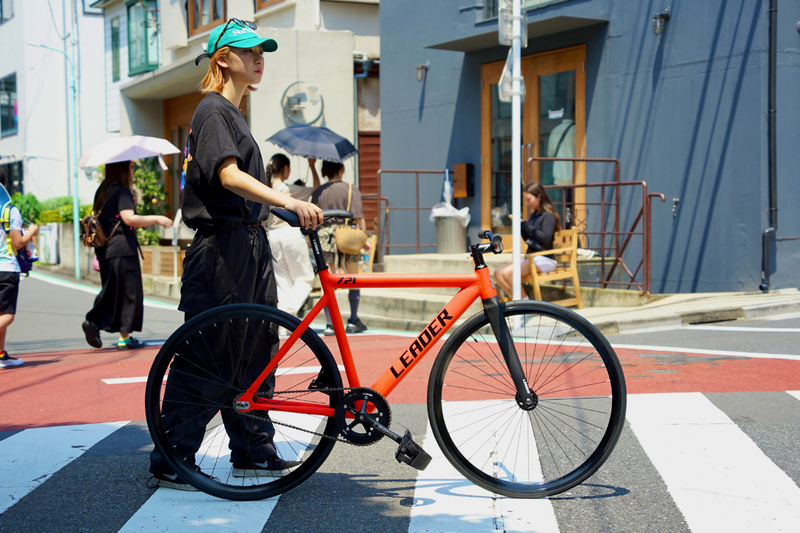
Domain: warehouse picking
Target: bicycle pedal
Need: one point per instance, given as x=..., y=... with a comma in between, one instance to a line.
x=411, y=453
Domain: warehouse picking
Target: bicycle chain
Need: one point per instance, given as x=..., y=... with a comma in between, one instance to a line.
x=338, y=439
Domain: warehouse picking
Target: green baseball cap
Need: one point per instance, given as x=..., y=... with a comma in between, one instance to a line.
x=236, y=33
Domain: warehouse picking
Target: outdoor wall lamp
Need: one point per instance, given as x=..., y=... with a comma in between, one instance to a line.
x=660, y=20
x=422, y=70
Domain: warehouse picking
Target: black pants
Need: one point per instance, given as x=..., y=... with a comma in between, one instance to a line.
x=222, y=269
x=120, y=304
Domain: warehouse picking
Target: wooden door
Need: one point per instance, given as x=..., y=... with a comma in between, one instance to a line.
x=553, y=120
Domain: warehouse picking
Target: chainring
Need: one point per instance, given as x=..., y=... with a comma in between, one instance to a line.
x=351, y=417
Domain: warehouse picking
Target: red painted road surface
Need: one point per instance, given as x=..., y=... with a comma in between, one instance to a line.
x=64, y=388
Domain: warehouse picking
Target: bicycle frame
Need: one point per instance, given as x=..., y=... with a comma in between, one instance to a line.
x=473, y=285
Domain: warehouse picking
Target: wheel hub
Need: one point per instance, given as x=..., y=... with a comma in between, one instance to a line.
x=355, y=412
x=525, y=407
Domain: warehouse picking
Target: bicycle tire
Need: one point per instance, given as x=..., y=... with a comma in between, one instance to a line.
x=490, y=439
x=190, y=393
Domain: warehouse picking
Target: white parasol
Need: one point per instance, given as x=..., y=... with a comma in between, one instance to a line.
x=127, y=149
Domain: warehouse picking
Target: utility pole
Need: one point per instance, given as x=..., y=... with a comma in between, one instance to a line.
x=516, y=148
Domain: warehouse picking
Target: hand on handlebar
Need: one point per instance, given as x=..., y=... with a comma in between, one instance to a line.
x=309, y=214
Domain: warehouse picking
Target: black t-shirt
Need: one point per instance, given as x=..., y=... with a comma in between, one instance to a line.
x=538, y=231
x=123, y=242
x=218, y=131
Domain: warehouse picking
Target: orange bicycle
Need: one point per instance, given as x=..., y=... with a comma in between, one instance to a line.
x=526, y=399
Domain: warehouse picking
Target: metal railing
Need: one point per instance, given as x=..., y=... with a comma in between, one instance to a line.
x=609, y=201
x=385, y=244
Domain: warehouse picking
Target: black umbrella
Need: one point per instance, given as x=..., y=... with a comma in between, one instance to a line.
x=315, y=142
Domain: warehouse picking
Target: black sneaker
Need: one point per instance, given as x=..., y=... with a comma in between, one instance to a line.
x=355, y=326
x=172, y=481
x=6, y=361
x=131, y=343
x=329, y=331
x=274, y=466
x=92, y=334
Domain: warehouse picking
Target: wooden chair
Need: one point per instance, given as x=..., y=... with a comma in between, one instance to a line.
x=565, y=250
x=373, y=239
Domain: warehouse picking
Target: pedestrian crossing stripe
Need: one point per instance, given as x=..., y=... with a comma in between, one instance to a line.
x=31, y=456
x=717, y=476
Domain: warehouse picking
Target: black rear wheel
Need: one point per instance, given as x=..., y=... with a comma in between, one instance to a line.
x=578, y=412
x=194, y=381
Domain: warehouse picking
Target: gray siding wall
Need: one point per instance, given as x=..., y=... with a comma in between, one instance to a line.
x=684, y=111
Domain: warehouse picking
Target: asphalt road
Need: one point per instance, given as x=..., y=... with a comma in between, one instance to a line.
x=710, y=442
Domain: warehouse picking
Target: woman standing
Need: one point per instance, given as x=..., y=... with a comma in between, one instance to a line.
x=293, y=271
x=337, y=194
x=226, y=199
x=119, y=306
x=538, y=232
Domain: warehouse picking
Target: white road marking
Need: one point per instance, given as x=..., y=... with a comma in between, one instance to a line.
x=719, y=478
x=176, y=511
x=31, y=456
x=744, y=329
x=96, y=290
x=281, y=372
x=445, y=501
x=795, y=393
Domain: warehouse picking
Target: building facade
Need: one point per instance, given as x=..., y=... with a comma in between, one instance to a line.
x=325, y=71
x=683, y=107
x=35, y=137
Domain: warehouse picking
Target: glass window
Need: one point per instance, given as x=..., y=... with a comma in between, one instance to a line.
x=6, y=10
x=8, y=105
x=491, y=7
x=143, y=41
x=115, y=49
x=501, y=162
x=205, y=14
x=261, y=4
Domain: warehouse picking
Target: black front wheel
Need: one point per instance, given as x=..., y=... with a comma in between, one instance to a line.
x=527, y=451
x=190, y=403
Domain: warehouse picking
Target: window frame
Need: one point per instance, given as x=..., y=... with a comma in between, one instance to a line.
x=149, y=64
x=11, y=131
x=115, y=51
x=3, y=17
x=263, y=4
x=192, y=14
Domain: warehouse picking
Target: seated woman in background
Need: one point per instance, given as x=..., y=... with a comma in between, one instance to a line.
x=538, y=232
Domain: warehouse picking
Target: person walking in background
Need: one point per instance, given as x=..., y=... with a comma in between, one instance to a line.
x=538, y=232
x=337, y=194
x=226, y=199
x=9, y=275
x=120, y=305
x=294, y=274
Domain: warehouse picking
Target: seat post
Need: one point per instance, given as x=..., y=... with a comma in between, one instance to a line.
x=316, y=249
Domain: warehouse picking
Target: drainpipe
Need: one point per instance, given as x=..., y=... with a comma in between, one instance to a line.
x=366, y=65
x=771, y=147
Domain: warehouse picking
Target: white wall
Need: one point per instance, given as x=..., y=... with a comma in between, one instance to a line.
x=325, y=60
x=42, y=138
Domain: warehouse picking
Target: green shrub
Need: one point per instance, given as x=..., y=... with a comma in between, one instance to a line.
x=50, y=215
x=56, y=202
x=150, y=190
x=147, y=238
x=66, y=212
x=28, y=206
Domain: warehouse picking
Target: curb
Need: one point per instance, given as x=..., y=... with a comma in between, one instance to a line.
x=674, y=320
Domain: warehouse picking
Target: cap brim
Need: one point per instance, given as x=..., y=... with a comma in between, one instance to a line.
x=269, y=45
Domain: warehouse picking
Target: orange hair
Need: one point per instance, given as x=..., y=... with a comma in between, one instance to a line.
x=214, y=78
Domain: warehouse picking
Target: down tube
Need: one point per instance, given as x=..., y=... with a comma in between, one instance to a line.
x=427, y=339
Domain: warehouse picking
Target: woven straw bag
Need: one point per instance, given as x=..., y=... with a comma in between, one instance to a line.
x=350, y=239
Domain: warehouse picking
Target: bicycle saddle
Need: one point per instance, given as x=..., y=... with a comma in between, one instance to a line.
x=291, y=219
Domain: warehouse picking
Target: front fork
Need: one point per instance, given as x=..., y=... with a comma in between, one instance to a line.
x=525, y=397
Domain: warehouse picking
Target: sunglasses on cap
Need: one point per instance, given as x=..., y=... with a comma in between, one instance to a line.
x=239, y=22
